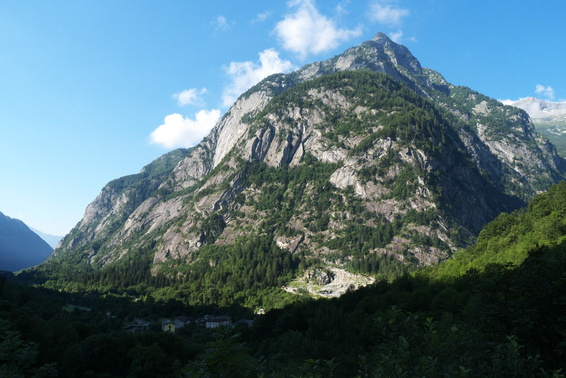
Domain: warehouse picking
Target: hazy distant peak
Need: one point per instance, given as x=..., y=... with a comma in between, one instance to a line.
x=20, y=247
x=52, y=240
x=539, y=109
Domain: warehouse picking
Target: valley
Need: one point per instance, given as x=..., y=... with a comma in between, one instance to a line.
x=361, y=215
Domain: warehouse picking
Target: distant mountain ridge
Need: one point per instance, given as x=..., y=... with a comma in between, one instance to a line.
x=20, y=247
x=541, y=110
x=52, y=240
x=366, y=162
x=548, y=117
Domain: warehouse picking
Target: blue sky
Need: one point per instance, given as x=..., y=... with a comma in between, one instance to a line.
x=94, y=90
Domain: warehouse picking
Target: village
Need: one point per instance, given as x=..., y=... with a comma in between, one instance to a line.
x=174, y=324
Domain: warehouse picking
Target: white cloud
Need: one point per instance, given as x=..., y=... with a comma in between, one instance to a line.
x=306, y=31
x=221, y=23
x=244, y=75
x=342, y=8
x=396, y=37
x=548, y=92
x=261, y=17
x=384, y=12
x=189, y=96
x=178, y=131
x=507, y=102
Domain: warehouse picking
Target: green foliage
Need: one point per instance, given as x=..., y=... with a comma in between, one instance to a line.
x=360, y=238
x=18, y=358
x=285, y=189
x=240, y=273
x=225, y=356
x=38, y=338
x=498, y=323
x=212, y=227
x=510, y=237
x=502, y=120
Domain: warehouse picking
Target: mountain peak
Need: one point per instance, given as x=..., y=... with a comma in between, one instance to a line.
x=541, y=110
x=381, y=37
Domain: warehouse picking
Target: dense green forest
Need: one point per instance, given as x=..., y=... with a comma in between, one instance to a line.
x=497, y=309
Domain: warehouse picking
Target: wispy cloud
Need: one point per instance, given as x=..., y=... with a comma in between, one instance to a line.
x=508, y=101
x=342, y=8
x=547, y=91
x=221, y=23
x=189, y=96
x=385, y=12
x=244, y=75
x=396, y=36
x=179, y=131
x=261, y=17
x=306, y=31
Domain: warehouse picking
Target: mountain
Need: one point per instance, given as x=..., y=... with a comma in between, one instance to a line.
x=20, y=247
x=541, y=110
x=548, y=117
x=52, y=240
x=366, y=163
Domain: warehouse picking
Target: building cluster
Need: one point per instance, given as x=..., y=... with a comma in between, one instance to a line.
x=172, y=325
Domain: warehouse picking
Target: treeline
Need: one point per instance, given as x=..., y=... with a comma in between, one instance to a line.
x=249, y=272
x=501, y=322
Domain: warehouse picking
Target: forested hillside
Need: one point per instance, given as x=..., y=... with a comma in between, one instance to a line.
x=511, y=237
x=497, y=310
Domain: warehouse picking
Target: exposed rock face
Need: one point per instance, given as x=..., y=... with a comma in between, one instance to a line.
x=329, y=283
x=351, y=166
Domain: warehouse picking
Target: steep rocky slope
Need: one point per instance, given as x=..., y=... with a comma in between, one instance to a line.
x=366, y=161
x=548, y=117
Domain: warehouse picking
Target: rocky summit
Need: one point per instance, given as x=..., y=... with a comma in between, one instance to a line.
x=365, y=163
